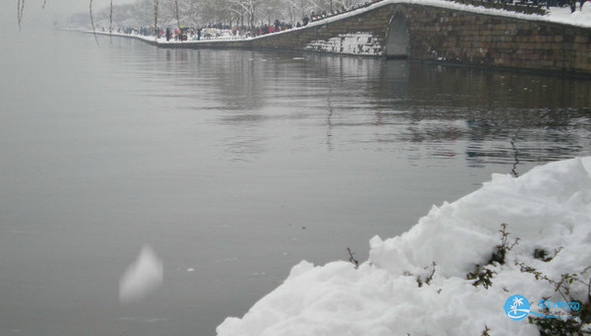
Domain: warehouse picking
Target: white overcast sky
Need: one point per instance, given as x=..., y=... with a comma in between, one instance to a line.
x=55, y=10
x=74, y=6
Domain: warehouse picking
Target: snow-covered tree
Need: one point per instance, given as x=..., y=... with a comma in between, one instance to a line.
x=297, y=9
x=194, y=13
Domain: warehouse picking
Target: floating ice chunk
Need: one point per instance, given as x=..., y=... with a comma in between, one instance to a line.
x=142, y=277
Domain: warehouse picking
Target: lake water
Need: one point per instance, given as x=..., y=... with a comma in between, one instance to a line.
x=234, y=166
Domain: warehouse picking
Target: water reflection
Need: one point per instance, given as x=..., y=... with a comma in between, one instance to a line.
x=501, y=117
x=484, y=116
x=221, y=158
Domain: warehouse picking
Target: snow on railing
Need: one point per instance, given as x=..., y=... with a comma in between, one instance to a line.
x=526, y=7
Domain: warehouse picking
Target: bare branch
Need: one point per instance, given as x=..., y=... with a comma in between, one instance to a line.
x=156, y=20
x=91, y=22
x=20, y=7
x=111, y=21
x=176, y=5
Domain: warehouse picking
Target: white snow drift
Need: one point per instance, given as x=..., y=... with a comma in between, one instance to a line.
x=359, y=43
x=548, y=208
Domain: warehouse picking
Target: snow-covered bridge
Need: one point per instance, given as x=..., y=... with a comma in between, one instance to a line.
x=440, y=31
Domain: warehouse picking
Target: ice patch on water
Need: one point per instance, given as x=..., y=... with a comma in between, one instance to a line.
x=142, y=277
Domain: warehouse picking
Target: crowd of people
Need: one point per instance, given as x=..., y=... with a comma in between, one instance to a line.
x=319, y=16
x=221, y=31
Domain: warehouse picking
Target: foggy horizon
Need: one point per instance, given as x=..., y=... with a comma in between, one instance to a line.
x=55, y=11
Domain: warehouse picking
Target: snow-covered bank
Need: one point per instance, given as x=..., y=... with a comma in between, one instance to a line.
x=581, y=18
x=548, y=208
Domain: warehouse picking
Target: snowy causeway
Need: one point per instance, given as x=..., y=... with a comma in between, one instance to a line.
x=581, y=17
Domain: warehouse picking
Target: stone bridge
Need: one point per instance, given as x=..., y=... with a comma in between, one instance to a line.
x=436, y=31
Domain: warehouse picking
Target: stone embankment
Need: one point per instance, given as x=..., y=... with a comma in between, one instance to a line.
x=458, y=34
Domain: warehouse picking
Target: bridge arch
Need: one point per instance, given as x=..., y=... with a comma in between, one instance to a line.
x=429, y=32
x=397, y=36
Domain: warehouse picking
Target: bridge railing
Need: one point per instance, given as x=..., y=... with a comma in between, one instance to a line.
x=519, y=6
x=526, y=7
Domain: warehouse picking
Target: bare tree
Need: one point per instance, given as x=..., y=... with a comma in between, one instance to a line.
x=92, y=22
x=176, y=12
x=249, y=8
x=156, y=19
x=249, y=13
x=301, y=8
x=111, y=19
x=20, y=8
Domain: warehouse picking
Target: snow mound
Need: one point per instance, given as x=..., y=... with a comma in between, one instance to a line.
x=360, y=43
x=548, y=208
x=142, y=277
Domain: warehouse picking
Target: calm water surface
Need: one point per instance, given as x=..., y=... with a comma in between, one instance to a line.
x=237, y=165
